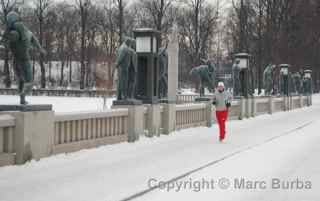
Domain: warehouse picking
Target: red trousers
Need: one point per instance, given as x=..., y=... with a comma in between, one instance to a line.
x=222, y=117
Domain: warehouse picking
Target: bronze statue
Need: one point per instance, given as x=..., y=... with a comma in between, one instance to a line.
x=236, y=78
x=126, y=63
x=163, y=65
x=268, y=79
x=297, y=83
x=20, y=40
x=207, y=76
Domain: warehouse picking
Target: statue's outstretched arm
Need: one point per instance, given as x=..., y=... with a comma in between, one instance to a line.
x=35, y=43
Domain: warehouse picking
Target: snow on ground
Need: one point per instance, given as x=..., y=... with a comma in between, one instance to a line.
x=62, y=104
x=285, y=169
x=118, y=171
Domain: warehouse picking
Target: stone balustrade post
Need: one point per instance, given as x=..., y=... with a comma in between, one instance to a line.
x=34, y=132
x=135, y=117
x=248, y=107
x=153, y=121
x=300, y=100
x=254, y=106
x=271, y=105
x=242, y=108
x=169, y=118
x=135, y=122
x=209, y=113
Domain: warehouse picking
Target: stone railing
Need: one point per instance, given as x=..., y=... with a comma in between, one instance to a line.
x=279, y=104
x=78, y=131
x=262, y=106
x=7, y=155
x=235, y=110
x=192, y=115
x=62, y=92
x=41, y=134
x=188, y=98
x=182, y=98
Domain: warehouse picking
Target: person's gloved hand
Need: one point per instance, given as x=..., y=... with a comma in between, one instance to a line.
x=228, y=104
x=214, y=102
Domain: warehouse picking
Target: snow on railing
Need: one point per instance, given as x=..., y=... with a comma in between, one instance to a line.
x=7, y=124
x=76, y=131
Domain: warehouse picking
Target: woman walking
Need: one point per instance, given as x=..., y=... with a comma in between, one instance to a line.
x=222, y=100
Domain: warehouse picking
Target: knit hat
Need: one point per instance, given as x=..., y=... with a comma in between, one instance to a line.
x=220, y=84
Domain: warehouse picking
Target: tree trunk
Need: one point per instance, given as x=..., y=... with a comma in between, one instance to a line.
x=83, y=46
x=62, y=73
x=70, y=71
x=120, y=4
x=42, y=67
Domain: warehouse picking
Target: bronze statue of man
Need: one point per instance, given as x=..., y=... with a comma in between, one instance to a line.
x=268, y=79
x=163, y=65
x=126, y=63
x=20, y=40
x=297, y=82
x=133, y=69
x=236, y=78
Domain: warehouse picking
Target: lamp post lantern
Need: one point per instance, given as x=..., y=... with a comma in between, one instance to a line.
x=307, y=81
x=284, y=79
x=242, y=62
x=147, y=45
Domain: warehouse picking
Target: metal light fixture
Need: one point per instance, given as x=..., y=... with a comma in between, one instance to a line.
x=242, y=60
x=284, y=69
x=146, y=40
x=307, y=73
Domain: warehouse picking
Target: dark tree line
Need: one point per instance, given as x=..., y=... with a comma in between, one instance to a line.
x=81, y=33
x=276, y=31
x=88, y=31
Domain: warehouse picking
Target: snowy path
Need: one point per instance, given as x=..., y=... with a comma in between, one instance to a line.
x=277, y=166
x=118, y=171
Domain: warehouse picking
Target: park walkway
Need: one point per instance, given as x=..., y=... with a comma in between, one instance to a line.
x=119, y=171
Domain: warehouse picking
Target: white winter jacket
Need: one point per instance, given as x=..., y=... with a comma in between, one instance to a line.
x=221, y=99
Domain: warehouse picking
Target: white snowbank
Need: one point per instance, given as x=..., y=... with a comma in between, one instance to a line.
x=62, y=104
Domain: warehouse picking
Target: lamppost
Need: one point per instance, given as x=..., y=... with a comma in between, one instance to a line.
x=147, y=45
x=284, y=79
x=243, y=64
x=307, y=82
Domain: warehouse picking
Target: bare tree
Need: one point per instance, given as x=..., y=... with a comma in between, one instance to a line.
x=41, y=11
x=197, y=30
x=50, y=27
x=197, y=23
x=120, y=7
x=83, y=7
x=158, y=11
